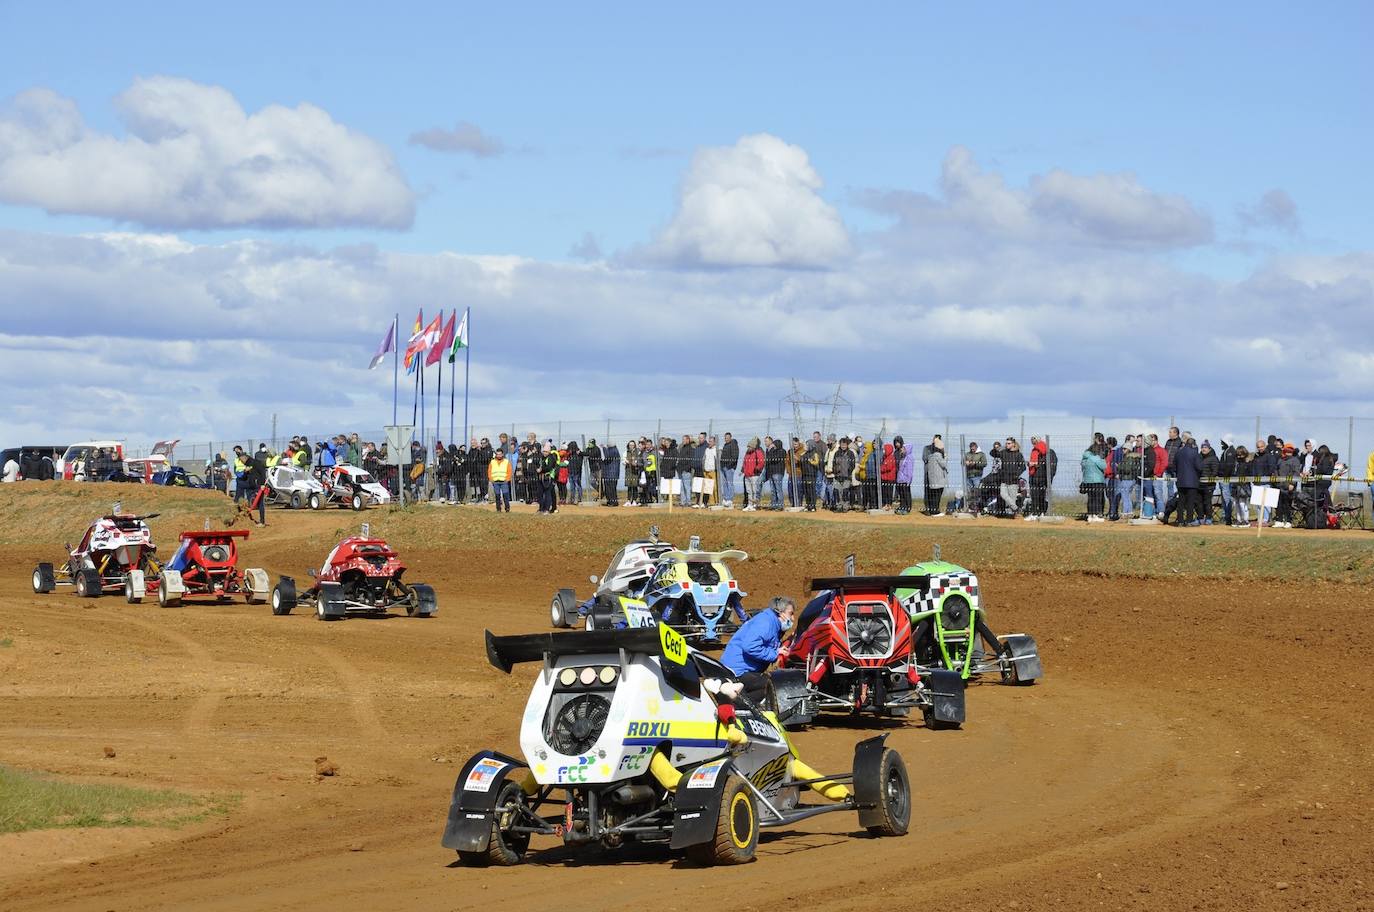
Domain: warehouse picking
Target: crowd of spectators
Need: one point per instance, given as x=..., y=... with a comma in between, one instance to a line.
x=1178, y=479
x=1198, y=484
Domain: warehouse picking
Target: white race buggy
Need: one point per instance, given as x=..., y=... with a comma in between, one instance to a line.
x=644, y=739
x=350, y=486
x=625, y=578
x=292, y=486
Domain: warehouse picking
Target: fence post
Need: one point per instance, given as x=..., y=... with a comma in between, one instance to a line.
x=710, y=426
x=659, y=435
x=1257, y=427
x=1092, y=429
x=967, y=497
x=1049, y=477
x=559, y=439
x=1021, y=438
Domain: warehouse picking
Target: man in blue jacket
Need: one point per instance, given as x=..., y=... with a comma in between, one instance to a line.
x=755, y=645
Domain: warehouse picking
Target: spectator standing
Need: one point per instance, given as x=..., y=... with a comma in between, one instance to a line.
x=753, y=474
x=1187, y=466
x=1240, y=491
x=1369, y=478
x=240, y=467
x=1323, y=464
x=710, y=461
x=975, y=462
x=11, y=471
x=417, y=470
x=925, y=482
x=843, y=464
x=257, y=479
x=1227, y=467
x=1289, y=472
x=1038, y=472
x=443, y=472
x=1126, y=468
x=1263, y=469
x=812, y=464
x=595, y=460
x=1171, y=447
x=610, y=474
x=1012, y=465
x=1210, y=467
x=499, y=474
x=871, y=475
x=576, y=464
x=459, y=482
x=936, y=479
x=648, y=491
x=775, y=468
x=634, y=465
x=220, y=473
x=686, y=469
x=887, y=473
x=1094, y=480
x=729, y=463
x=794, y=460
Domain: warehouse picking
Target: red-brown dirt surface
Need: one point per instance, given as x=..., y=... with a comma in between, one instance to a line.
x=1197, y=743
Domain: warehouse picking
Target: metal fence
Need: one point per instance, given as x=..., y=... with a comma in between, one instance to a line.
x=1067, y=436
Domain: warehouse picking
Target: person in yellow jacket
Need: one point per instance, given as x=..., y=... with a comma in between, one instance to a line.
x=499, y=473
x=1369, y=476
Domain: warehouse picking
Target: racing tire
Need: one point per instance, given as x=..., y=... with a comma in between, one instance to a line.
x=934, y=724
x=163, y=598
x=601, y=617
x=315, y=502
x=504, y=849
x=356, y=501
x=44, y=580
x=131, y=595
x=895, y=803
x=283, y=597
x=88, y=583
x=737, y=828
x=590, y=622
x=563, y=608
x=423, y=602
x=297, y=501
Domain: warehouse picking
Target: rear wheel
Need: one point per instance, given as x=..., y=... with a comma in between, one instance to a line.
x=506, y=848
x=928, y=715
x=164, y=598
x=737, y=828
x=132, y=594
x=356, y=501
x=315, y=501
x=895, y=802
x=297, y=500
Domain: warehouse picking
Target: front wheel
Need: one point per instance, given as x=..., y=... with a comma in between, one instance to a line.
x=132, y=594
x=283, y=597
x=505, y=848
x=164, y=598
x=297, y=500
x=894, y=803
x=737, y=828
x=315, y=501
x=356, y=502
x=563, y=608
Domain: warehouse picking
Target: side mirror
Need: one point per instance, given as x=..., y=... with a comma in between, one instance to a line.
x=594, y=579
x=312, y=572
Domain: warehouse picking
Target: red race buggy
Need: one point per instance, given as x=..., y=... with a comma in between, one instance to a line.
x=362, y=575
x=207, y=564
x=852, y=654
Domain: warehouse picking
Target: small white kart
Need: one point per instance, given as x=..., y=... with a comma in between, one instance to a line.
x=350, y=486
x=292, y=486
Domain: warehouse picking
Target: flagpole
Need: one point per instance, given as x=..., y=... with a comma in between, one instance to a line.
x=467, y=370
x=395, y=364
x=439, y=397
x=451, y=383
x=423, y=442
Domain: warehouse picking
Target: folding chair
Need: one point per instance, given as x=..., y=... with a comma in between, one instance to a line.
x=1350, y=514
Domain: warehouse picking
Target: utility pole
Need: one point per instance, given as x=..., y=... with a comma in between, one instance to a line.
x=274, y=432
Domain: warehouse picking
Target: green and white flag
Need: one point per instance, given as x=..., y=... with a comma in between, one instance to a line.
x=460, y=338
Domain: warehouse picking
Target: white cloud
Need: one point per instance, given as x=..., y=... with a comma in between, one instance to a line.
x=756, y=203
x=193, y=158
x=1275, y=209
x=1057, y=208
x=465, y=137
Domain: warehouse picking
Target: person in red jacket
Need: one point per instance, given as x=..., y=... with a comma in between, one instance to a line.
x=1156, y=463
x=753, y=474
x=887, y=473
x=1039, y=475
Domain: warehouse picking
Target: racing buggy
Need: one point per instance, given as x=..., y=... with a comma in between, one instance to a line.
x=362, y=575
x=116, y=554
x=292, y=486
x=852, y=654
x=634, y=736
x=206, y=564
x=695, y=593
x=948, y=621
x=629, y=572
x=350, y=486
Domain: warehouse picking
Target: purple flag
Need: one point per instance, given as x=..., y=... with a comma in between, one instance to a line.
x=388, y=345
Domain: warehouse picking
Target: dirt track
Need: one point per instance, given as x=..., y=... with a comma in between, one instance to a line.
x=1195, y=745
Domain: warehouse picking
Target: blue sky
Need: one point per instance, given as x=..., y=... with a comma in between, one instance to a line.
x=601, y=114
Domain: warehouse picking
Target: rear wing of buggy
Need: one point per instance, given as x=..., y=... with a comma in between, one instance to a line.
x=866, y=583
x=505, y=652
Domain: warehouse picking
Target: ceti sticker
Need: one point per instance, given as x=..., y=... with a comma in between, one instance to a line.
x=704, y=776
x=483, y=775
